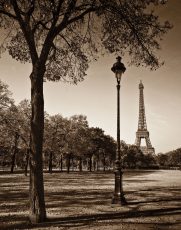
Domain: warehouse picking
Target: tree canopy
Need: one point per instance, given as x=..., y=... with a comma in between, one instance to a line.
x=66, y=34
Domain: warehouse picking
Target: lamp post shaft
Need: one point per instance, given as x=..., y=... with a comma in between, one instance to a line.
x=118, y=197
x=118, y=121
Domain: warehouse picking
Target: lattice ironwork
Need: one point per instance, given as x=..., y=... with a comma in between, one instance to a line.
x=142, y=132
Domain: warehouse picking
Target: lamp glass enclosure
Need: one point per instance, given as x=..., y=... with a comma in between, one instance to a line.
x=118, y=75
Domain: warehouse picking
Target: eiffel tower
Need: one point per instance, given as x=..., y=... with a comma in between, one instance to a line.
x=142, y=131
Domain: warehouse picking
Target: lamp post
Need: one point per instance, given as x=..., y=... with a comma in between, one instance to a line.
x=118, y=198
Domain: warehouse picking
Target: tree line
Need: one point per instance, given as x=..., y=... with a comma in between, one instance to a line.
x=171, y=159
x=69, y=143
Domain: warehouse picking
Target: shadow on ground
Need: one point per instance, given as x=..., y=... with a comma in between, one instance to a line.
x=82, y=200
x=97, y=220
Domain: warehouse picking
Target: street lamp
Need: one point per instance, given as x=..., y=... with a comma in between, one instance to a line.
x=118, y=198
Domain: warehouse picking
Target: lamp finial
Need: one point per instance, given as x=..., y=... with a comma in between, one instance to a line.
x=119, y=58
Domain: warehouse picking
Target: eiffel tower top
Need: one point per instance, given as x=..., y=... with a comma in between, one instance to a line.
x=141, y=86
x=142, y=117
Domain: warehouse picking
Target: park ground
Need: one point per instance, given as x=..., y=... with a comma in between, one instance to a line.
x=81, y=201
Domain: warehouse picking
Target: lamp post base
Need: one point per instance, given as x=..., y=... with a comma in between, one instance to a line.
x=118, y=197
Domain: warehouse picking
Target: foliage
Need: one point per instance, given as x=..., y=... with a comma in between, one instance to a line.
x=15, y=129
x=5, y=96
x=69, y=33
x=66, y=137
x=134, y=158
x=170, y=159
x=73, y=139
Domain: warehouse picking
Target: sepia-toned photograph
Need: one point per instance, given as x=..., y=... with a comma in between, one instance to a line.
x=90, y=114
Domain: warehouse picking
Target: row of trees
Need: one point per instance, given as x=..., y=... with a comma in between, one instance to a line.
x=170, y=159
x=68, y=142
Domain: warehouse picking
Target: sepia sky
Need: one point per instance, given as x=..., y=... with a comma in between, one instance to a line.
x=95, y=97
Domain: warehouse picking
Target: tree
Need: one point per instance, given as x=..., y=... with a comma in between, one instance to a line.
x=101, y=149
x=162, y=160
x=133, y=158
x=94, y=147
x=150, y=161
x=10, y=126
x=15, y=124
x=171, y=158
x=174, y=158
x=59, y=37
x=5, y=97
x=54, y=132
x=6, y=102
x=78, y=138
x=6, y=144
x=130, y=157
x=24, y=109
x=75, y=140
x=108, y=151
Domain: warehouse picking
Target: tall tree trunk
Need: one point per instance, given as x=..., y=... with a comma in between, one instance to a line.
x=14, y=152
x=13, y=160
x=104, y=161
x=72, y=163
x=37, y=202
x=87, y=164
x=90, y=163
x=94, y=164
x=80, y=165
x=27, y=161
x=97, y=163
x=50, y=162
x=68, y=163
x=61, y=163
